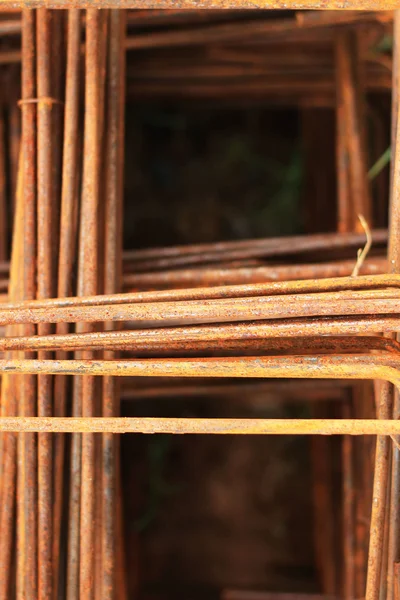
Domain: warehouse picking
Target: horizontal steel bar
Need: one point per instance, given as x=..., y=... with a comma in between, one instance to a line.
x=129, y=341
x=194, y=4
x=384, y=366
x=346, y=302
x=303, y=286
x=150, y=425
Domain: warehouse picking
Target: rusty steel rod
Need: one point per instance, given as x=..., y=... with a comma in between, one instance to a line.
x=177, y=426
x=203, y=254
x=270, y=246
x=239, y=338
x=372, y=282
x=187, y=338
x=394, y=267
x=68, y=226
x=343, y=303
x=112, y=277
x=87, y=284
x=344, y=224
x=220, y=4
x=283, y=321
x=382, y=365
x=9, y=406
x=241, y=275
x=27, y=528
x=265, y=247
x=45, y=233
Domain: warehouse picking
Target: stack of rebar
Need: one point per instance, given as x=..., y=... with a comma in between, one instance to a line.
x=79, y=313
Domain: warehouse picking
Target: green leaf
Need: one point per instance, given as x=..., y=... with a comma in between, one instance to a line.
x=380, y=164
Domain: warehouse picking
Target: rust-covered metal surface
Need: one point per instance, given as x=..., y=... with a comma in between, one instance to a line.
x=220, y=4
x=83, y=319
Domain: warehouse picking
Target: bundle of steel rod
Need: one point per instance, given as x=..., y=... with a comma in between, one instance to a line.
x=247, y=261
x=202, y=311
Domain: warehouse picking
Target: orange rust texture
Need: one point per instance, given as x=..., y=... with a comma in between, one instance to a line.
x=187, y=4
x=177, y=426
x=277, y=330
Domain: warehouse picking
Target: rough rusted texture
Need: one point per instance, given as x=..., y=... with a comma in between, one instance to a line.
x=344, y=303
x=263, y=247
x=300, y=21
x=384, y=366
x=27, y=529
x=278, y=330
x=217, y=336
x=87, y=284
x=45, y=235
x=218, y=276
x=233, y=341
x=66, y=255
x=351, y=114
x=379, y=506
x=386, y=485
x=186, y=4
x=9, y=406
x=202, y=426
x=348, y=510
x=220, y=252
x=344, y=223
x=112, y=285
x=220, y=292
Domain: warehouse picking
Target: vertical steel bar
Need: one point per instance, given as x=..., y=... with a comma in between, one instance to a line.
x=3, y=191
x=348, y=511
x=322, y=506
x=112, y=279
x=345, y=224
x=45, y=207
x=342, y=156
x=385, y=553
x=87, y=285
x=394, y=267
x=74, y=500
x=9, y=391
x=14, y=137
x=102, y=225
x=27, y=554
x=69, y=197
x=359, y=187
x=382, y=457
x=57, y=82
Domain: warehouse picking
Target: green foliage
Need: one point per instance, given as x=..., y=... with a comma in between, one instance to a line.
x=385, y=45
x=380, y=164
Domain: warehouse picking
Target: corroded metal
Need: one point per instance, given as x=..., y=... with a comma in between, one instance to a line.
x=27, y=491
x=384, y=366
x=112, y=285
x=66, y=257
x=202, y=426
x=285, y=320
x=45, y=235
